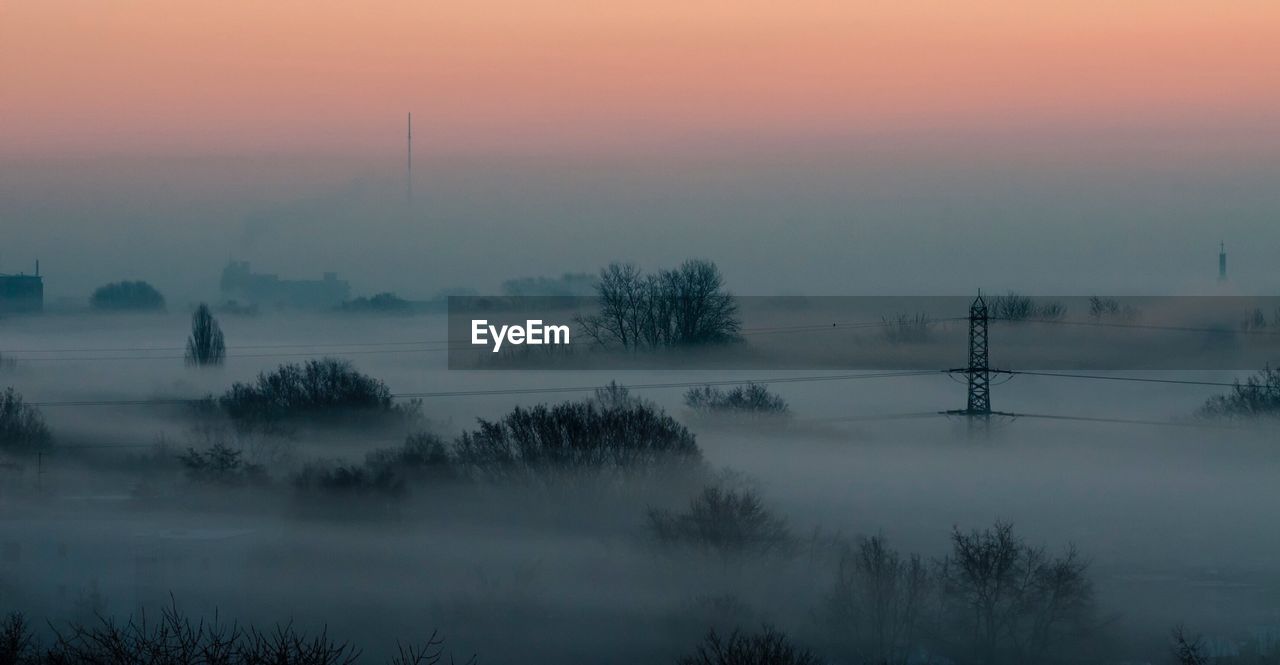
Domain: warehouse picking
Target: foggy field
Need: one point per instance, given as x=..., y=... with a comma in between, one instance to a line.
x=1177, y=523
x=525, y=332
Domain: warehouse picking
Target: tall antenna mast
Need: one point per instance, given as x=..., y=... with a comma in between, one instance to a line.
x=408, y=184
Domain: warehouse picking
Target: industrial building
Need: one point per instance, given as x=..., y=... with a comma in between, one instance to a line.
x=241, y=284
x=21, y=293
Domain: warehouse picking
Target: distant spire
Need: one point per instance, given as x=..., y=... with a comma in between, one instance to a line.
x=408, y=180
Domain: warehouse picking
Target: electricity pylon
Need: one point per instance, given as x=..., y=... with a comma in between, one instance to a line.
x=978, y=371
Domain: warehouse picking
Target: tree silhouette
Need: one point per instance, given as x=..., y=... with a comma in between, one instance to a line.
x=127, y=296
x=205, y=346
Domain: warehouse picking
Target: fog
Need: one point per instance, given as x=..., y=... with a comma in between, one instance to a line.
x=1066, y=211
x=1176, y=521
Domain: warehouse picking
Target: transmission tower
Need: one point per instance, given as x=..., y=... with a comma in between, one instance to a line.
x=978, y=371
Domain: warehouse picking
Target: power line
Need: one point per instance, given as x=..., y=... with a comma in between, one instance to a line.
x=124, y=349
x=1122, y=421
x=535, y=390
x=1135, y=379
x=340, y=347
x=1142, y=326
x=238, y=356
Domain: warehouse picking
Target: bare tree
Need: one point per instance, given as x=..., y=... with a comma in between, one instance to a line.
x=22, y=427
x=1005, y=601
x=205, y=346
x=1188, y=650
x=681, y=307
x=879, y=601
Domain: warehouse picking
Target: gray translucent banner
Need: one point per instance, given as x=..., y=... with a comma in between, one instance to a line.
x=871, y=332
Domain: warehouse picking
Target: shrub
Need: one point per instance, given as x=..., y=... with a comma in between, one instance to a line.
x=614, y=396
x=326, y=391
x=221, y=465
x=768, y=647
x=176, y=639
x=1257, y=397
x=1254, y=320
x=383, y=303
x=1015, y=307
x=127, y=296
x=423, y=458
x=751, y=399
x=566, y=285
x=205, y=346
x=907, y=329
x=687, y=306
x=548, y=443
x=350, y=480
x=1103, y=309
x=725, y=522
x=22, y=428
x=386, y=473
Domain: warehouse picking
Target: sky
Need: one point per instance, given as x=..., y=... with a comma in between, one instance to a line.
x=197, y=128
x=140, y=76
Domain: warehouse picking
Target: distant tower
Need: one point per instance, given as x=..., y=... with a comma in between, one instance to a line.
x=408, y=176
x=1222, y=261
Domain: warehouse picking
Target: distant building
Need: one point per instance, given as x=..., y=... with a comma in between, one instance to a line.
x=1222, y=262
x=21, y=293
x=241, y=284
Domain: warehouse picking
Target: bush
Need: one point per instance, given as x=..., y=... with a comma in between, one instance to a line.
x=577, y=439
x=22, y=428
x=1015, y=307
x=326, y=391
x=751, y=399
x=614, y=396
x=1257, y=397
x=383, y=303
x=206, y=345
x=907, y=329
x=348, y=480
x=1110, y=309
x=220, y=465
x=127, y=296
x=178, y=640
x=566, y=285
x=725, y=522
x=423, y=458
x=687, y=306
x=768, y=647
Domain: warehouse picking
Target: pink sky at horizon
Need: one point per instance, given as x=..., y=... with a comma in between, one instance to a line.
x=146, y=77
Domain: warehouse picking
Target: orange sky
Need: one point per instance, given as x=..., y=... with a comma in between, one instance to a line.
x=151, y=76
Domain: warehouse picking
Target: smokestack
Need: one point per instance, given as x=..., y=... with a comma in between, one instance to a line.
x=37, y=267
x=1222, y=261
